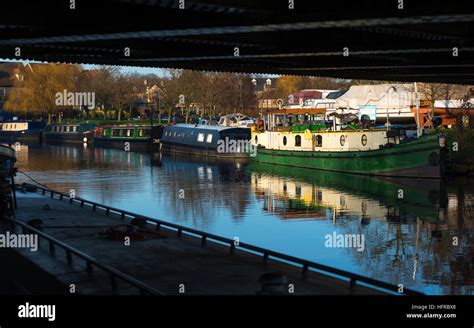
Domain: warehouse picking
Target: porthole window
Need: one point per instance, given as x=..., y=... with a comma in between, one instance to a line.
x=284, y=141
x=342, y=140
x=318, y=141
x=363, y=140
x=298, y=141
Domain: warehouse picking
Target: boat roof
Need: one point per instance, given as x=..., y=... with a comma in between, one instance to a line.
x=207, y=127
x=236, y=115
x=132, y=125
x=296, y=111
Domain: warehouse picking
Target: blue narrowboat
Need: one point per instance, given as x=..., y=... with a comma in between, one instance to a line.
x=207, y=140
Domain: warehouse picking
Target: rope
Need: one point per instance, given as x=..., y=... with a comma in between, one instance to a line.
x=35, y=181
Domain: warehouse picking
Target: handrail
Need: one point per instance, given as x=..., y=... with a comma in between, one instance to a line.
x=205, y=236
x=90, y=261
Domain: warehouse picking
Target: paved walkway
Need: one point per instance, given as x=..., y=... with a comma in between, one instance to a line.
x=165, y=262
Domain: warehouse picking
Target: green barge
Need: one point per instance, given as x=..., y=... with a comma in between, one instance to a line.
x=370, y=151
x=130, y=137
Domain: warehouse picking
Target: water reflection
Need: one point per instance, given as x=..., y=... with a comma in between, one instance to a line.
x=418, y=233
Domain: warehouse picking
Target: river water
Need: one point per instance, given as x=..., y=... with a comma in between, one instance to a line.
x=416, y=233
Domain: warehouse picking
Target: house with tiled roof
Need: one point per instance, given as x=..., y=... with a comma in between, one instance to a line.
x=10, y=73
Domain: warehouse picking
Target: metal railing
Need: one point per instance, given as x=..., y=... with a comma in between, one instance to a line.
x=89, y=260
x=266, y=254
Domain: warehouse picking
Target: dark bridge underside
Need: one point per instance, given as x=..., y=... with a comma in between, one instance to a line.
x=385, y=43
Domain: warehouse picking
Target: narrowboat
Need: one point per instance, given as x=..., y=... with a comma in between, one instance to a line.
x=205, y=140
x=21, y=131
x=303, y=138
x=136, y=137
x=75, y=133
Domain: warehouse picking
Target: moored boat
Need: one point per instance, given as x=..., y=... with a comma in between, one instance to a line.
x=21, y=131
x=236, y=120
x=7, y=159
x=75, y=133
x=206, y=140
x=132, y=137
x=306, y=139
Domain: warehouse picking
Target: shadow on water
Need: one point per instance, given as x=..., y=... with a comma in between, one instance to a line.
x=416, y=232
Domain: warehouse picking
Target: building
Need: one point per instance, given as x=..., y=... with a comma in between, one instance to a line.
x=266, y=94
x=10, y=73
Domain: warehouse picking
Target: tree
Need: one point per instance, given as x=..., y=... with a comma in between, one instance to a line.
x=36, y=94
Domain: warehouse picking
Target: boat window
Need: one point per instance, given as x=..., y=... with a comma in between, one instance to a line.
x=298, y=141
x=129, y=133
x=104, y=133
x=200, y=137
x=115, y=132
x=284, y=141
x=144, y=132
x=209, y=138
x=256, y=139
x=342, y=140
x=318, y=141
x=74, y=129
x=363, y=140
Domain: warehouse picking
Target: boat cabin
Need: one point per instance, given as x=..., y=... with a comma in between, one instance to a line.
x=205, y=137
x=18, y=126
x=77, y=128
x=313, y=130
x=132, y=132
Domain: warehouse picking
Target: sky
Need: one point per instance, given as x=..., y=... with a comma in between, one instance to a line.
x=161, y=72
x=126, y=69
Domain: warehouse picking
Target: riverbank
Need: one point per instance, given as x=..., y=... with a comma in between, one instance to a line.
x=173, y=260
